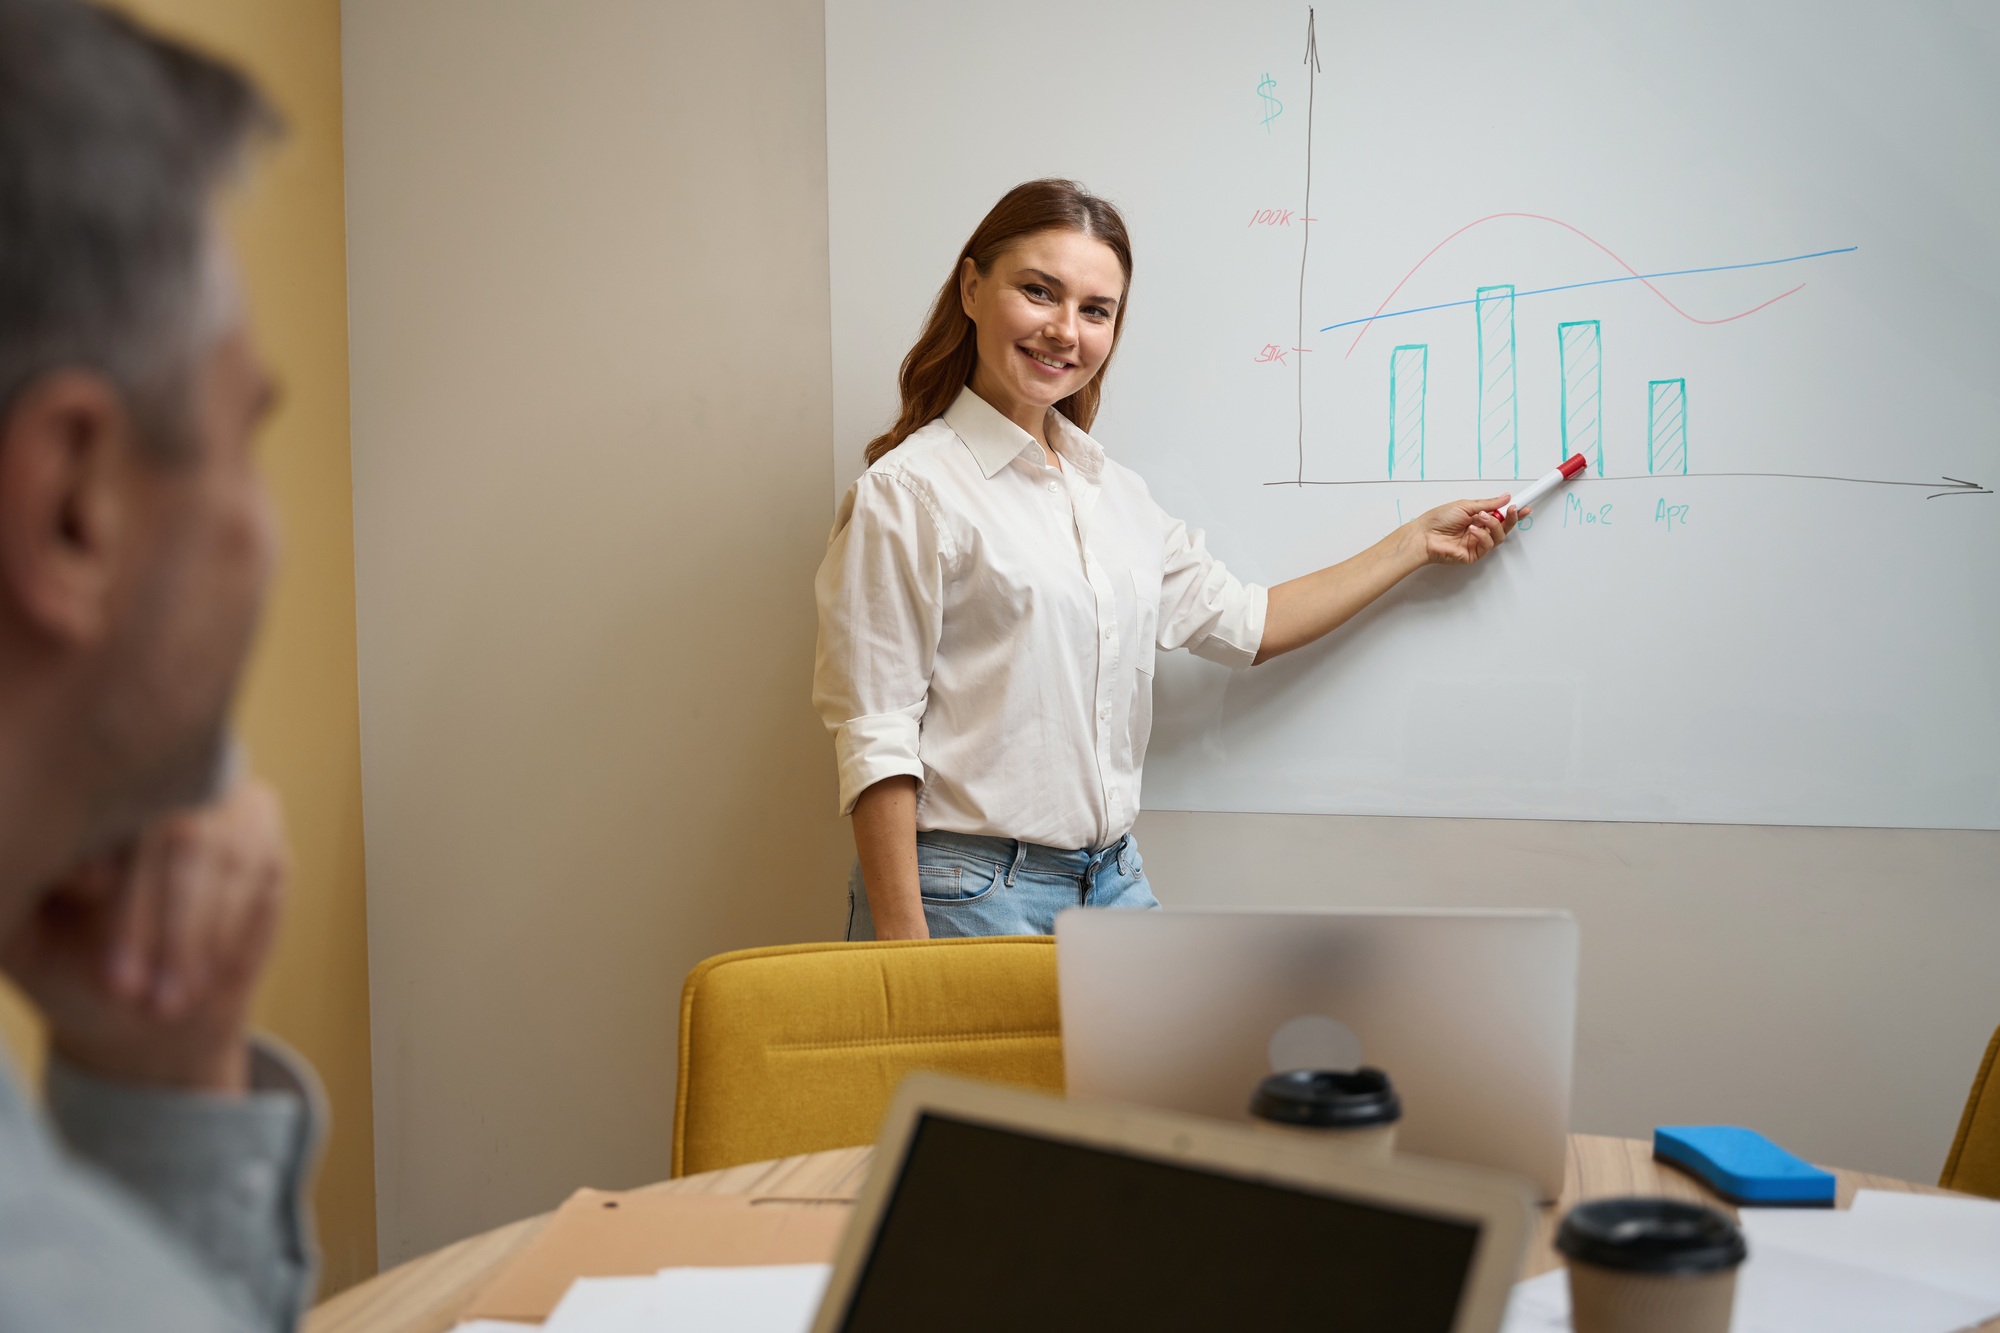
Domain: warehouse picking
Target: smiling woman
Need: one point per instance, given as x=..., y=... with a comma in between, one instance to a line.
x=955, y=343
x=996, y=589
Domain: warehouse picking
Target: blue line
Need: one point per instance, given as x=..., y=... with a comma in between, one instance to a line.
x=1600, y=282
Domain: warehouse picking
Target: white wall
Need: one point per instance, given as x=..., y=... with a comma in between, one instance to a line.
x=1833, y=988
x=587, y=248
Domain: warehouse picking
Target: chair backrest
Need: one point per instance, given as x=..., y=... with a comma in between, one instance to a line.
x=1973, y=1164
x=799, y=1048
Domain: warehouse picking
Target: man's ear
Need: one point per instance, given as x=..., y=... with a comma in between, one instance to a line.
x=968, y=284
x=65, y=444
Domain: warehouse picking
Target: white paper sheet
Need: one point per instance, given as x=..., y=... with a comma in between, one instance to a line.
x=776, y=1298
x=1949, y=1243
x=604, y=1305
x=1962, y=1210
x=1780, y=1291
x=1968, y=1229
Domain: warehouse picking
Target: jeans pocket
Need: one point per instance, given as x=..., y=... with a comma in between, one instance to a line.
x=959, y=882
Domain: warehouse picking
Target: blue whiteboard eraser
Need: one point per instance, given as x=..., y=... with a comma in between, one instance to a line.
x=1743, y=1166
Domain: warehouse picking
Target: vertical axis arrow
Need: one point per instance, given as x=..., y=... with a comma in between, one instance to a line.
x=1305, y=245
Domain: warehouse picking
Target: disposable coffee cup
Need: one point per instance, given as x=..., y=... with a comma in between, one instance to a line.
x=1650, y=1266
x=1354, y=1111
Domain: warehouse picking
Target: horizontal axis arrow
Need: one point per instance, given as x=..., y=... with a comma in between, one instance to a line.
x=1944, y=486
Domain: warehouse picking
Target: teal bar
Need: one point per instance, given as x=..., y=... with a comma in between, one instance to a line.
x=1409, y=382
x=1499, y=408
x=1667, y=427
x=1582, y=346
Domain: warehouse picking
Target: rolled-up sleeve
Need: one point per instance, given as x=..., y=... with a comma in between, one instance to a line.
x=881, y=607
x=227, y=1175
x=1203, y=607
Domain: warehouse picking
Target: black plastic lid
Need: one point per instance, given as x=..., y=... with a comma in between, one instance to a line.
x=1651, y=1236
x=1325, y=1099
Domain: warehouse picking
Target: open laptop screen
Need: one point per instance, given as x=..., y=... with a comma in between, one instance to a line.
x=995, y=1229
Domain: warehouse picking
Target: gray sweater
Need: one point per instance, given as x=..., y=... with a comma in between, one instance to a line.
x=157, y=1210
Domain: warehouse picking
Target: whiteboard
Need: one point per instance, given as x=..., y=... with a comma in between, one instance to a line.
x=1744, y=256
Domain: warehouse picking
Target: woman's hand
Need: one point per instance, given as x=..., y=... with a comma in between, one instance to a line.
x=1461, y=532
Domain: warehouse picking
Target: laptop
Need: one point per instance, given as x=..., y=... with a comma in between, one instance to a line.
x=995, y=1208
x=1472, y=1014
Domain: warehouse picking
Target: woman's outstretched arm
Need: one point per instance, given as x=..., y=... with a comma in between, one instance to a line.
x=1316, y=604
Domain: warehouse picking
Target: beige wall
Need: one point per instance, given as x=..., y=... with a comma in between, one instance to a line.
x=587, y=252
x=298, y=714
x=1833, y=988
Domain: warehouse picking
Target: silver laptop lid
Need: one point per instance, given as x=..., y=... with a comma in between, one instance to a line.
x=1471, y=1013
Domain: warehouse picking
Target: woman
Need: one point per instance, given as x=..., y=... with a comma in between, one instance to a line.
x=995, y=590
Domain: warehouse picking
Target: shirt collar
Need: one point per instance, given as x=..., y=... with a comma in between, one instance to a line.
x=995, y=441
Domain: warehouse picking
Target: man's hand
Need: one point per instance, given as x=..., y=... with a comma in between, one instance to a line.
x=144, y=962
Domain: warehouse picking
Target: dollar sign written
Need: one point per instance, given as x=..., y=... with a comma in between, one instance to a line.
x=1272, y=106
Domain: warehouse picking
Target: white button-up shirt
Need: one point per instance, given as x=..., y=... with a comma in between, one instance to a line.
x=988, y=623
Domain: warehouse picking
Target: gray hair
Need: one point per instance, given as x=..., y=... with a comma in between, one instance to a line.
x=113, y=143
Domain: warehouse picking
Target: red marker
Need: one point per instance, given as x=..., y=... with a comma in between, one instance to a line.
x=1536, y=489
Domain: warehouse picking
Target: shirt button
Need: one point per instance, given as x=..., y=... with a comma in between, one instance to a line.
x=1054, y=486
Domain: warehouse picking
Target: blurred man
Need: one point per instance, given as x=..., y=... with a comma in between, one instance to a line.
x=136, y=539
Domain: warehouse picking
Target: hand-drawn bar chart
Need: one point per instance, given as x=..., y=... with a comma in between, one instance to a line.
x=1586, y=418
x=1583, y=409
x=1580, y=345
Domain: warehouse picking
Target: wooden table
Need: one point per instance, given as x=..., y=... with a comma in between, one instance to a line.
x=426, y=1294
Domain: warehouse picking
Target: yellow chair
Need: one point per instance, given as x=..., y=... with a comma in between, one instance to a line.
x=1974, y=1162
x=798, y=1048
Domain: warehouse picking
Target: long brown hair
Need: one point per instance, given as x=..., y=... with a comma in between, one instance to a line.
x=941, y=362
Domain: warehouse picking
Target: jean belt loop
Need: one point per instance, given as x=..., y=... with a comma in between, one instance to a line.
x=1020, y=855
x=1125, y=855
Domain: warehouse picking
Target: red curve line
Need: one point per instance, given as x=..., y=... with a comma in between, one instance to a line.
x=1494, y=217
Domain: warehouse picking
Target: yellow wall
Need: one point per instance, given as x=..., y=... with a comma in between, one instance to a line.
x=299, y=713
x=21, y=1032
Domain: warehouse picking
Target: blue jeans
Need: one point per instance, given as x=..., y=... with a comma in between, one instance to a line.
x=998, y=886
